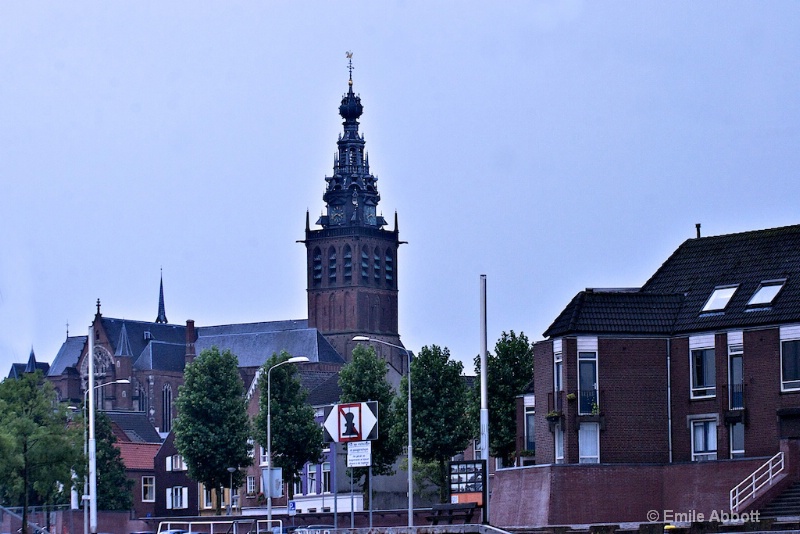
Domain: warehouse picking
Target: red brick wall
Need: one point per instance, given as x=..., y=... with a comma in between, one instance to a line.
x=581, y=494
x=542, y=385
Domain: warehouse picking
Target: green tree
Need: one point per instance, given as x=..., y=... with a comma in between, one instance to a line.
x=212, y=430
x=361, y=380
x=440, y=412
x=39, y=447
x=296, y=436
x=113, y=486
x=509, y=370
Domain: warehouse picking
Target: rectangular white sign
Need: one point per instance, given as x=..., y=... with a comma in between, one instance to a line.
x=359, y=454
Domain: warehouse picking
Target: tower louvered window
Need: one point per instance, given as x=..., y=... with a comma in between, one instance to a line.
x=388, y=268
x=376, y=265
x=364, y=265
x=332, y=266
x=317, y=267
x=348, y=264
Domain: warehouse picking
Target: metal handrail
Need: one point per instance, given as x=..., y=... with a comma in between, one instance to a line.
x=261, y=525
x=762, y=476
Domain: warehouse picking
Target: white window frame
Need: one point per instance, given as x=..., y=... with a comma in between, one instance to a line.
x=311, y=479
x=789, y=334
x=177, y=498
x=587, y=351
x=251, y=485
x=710, y=431
x=558, y=366
x=704, y=391
x=736, y=453
x=148, y=488
x=735, y=350
x=583, y=435
x=558, y=438
x=208, y=502
x=298, y=487
x=262, y=457
x=326, y=477
x=252, y=452
x=529, y=423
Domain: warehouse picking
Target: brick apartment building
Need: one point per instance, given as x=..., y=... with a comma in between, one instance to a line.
x=701, y=365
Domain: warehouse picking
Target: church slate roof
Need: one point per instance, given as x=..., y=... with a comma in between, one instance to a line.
x=68, y=355
x=162, y=356
x=140, y=333
x=255, y=343
x=324, y=392
x=671, y=301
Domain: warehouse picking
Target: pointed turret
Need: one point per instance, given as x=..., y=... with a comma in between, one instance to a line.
x=124, y=344
x=162, y=314
x=31, y=367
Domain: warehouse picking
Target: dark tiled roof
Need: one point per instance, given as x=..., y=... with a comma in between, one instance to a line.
x=17, y=370
x=255, y=343
x=746, y=259
x=161, y=356
x=136, y=426
x=671, y=301
x=140, y=333
x=324, y=392
x=619, y=312
x=68, y=355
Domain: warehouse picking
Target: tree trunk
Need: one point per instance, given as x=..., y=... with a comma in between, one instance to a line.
x=219, y=500
x=444, y=480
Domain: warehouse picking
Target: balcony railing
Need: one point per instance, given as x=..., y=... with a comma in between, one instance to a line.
x=588, y=402
x=736, y=396
x=555, y=401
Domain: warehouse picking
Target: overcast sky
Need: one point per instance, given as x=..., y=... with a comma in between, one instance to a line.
x=552, y=146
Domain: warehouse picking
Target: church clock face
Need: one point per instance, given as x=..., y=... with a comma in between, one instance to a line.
x=337, y=215
x=369, y=213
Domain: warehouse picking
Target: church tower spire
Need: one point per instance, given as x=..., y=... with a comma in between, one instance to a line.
x=352, y=259
x=162, y=314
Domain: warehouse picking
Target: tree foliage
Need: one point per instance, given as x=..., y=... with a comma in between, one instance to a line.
x=509, y=370
x=39, y=447
x=296, y=436
x=113, y=486
x=440, y=405
x=212, y=429
x=364, y=379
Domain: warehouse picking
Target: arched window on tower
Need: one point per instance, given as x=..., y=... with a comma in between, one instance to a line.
x=317, y=267
x=388, y=268
x=348, y=264
x=376, y=265
x=166, y=408
x=142, y=399
x=364, y=265
x=331, y=266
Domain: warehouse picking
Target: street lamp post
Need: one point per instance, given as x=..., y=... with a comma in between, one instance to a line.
x=231, y=471
x=268, y=493
x=410, y=442
x=89, y=488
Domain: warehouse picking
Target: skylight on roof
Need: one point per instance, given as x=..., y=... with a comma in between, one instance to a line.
x=766, y=293
x=719, y=298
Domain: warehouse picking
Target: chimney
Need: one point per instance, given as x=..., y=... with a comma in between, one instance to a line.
x=698, y=229
x=191, y=337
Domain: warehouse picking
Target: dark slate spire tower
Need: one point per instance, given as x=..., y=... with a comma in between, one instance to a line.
x=162, y=314
x=352, y=260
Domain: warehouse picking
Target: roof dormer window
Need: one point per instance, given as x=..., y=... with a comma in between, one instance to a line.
x=766, y=293
x=719, y=298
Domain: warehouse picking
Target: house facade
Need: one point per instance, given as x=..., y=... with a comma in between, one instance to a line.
x=701, y=363
x=691, y=381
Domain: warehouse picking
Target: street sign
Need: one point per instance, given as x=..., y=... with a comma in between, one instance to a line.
x=355, y=421
x=359, y=454
x=292, y=507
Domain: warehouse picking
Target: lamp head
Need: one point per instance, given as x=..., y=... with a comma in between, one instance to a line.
x=361, y=338
x=297, y=359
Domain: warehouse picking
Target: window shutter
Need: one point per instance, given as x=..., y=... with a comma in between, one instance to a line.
x=184, y=497
x=169, y=463
x=169, y=498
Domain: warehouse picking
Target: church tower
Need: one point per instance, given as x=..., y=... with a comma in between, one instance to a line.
x=352, y=259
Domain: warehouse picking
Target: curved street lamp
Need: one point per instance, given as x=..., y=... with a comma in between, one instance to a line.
x=410, y=443
x=268, y=493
